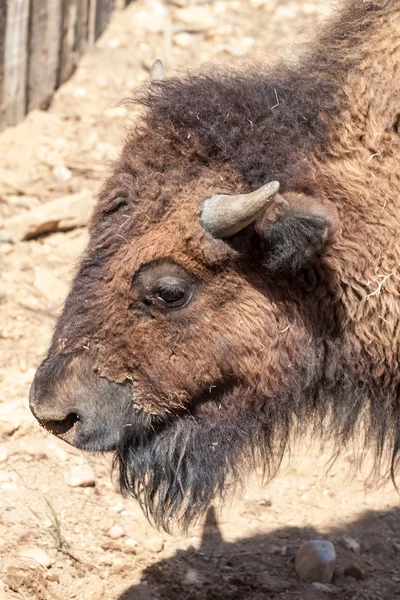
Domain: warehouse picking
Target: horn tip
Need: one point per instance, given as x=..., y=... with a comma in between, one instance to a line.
x=157, y=71
x=274, y=186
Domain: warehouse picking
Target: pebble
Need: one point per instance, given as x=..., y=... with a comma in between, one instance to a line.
x=62, y=173
x=240, y=47
x=3, y=454
x=81, y=476
x=62, y=214
x=191, y=577
x=118, y=507
x=130, y=545
x=323, y=587
x=152, y=20
x=115, y=532
x=354, y=571
x=315, y=561
x=196, y=18
x=8, y=426
x=350, y=543
x=154, y=544
x=265, y=501
x=183, y=40
x=38, y=555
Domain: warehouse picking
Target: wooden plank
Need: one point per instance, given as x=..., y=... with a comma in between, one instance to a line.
x=83, y=31
x=69, y=57
x=15, y=61
x=103, y=13
x=3, y=21
x=44, y=51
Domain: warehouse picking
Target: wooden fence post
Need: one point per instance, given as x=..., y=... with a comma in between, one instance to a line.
x=41, y=42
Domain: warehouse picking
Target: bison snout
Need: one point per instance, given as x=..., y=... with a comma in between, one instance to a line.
x=74, y=403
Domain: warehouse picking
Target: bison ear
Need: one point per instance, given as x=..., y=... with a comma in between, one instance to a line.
x=296, y=235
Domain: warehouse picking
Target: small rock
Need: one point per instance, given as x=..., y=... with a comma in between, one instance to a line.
x=154, y=544
x=8, y=426
x=240, y=47
x=5, y=238
x=81, y=476
x=191, y=577
x=53, y=577
x=196, y=18
x=62, y=173
x=354, y=571
x=323, y=587
x=80, y=92
x=131, y=545
x=38, y=555
x=396, y=547
x=350, y=543
x=115, y=532
x=152, y=20
x=315, y=561
x=265, y=501
x=183, y=40
x=62, y=214
x=3, y=454
x=118, y=507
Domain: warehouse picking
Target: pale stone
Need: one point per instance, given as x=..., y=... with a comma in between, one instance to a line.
x=131, y=545
x=191, y=577
x=115, y=532
x=62, y=214
x=196, y=18
x=62, y=173
x=81, y=476
x=354, y=571
x=154, y=544
x=183, y=40
x=315, y=561
x=38, y=555
x=3, y=454
x=325, y=587
x=350, y=543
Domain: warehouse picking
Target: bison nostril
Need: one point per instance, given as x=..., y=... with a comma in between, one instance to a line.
x=62, y=426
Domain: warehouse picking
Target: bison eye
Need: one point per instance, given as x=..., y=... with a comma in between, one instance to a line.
x=172, y=292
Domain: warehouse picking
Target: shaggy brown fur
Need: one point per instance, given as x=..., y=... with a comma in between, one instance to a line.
x=294, y=320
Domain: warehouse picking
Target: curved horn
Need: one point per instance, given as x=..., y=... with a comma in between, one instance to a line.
x=224, y=215
x=157, y=71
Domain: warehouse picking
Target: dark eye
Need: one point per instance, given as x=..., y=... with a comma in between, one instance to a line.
x=172, y=292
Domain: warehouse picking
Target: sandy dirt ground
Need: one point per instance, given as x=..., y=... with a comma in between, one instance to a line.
x=90, y=543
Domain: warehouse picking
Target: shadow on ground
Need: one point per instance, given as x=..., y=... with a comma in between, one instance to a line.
x=262, y=567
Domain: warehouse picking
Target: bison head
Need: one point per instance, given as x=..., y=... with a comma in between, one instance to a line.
x=195, y=333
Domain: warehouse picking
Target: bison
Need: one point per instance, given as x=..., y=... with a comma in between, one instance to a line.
x=241, y=281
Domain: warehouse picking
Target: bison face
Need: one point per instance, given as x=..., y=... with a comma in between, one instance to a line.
x=184, y=353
